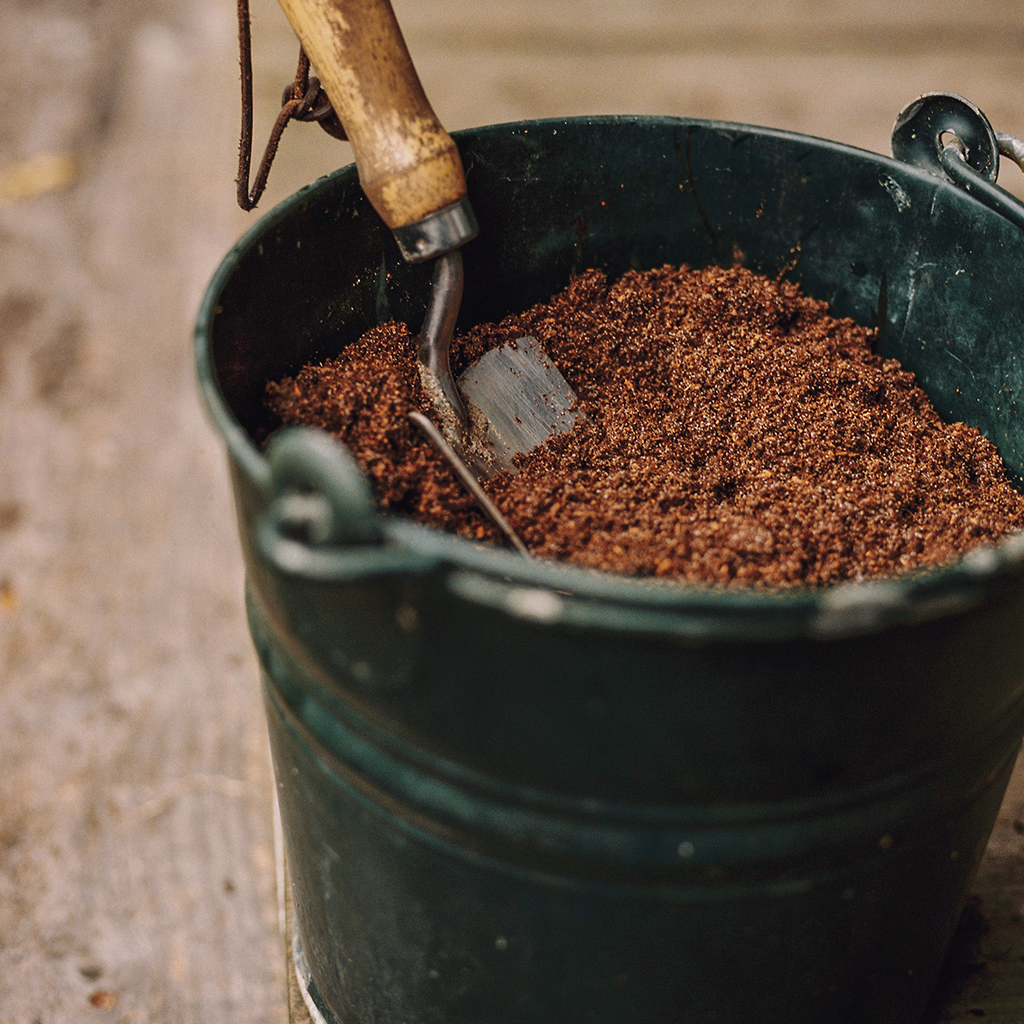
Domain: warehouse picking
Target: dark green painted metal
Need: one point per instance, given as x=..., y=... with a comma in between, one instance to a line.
x=979, y=186
x=522, y=792
x=971, y=161
x=922, y=128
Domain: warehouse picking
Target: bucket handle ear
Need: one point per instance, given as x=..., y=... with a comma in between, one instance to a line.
x=949, y=136
x=321, y=496
x=321, y=522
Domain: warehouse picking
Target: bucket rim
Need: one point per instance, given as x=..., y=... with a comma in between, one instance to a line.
x=490, y=574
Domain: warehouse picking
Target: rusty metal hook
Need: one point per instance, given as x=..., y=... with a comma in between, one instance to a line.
x=303, y=100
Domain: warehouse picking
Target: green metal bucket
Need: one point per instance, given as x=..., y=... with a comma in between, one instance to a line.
x=515, y=791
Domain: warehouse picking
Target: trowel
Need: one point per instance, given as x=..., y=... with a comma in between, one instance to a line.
x=513, y=398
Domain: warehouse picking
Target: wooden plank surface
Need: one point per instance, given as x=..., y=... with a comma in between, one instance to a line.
x=137, y=874
x=136, y=862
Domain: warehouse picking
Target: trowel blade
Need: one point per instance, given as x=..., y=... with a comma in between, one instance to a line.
x=517, y=400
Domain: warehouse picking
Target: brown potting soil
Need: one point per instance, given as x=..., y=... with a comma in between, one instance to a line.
x=733, y=432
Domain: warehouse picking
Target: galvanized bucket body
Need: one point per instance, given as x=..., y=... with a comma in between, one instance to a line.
x=516, y=791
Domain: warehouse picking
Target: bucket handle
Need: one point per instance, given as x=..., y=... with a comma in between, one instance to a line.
x=321, y=522
x=949, y=136
x=321, y=495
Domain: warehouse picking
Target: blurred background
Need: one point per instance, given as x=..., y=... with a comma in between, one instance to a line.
x=137, y=855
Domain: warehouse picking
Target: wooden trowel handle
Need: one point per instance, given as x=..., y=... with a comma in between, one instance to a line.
x=408, y=164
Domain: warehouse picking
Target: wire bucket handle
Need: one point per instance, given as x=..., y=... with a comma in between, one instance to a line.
x=949, y=136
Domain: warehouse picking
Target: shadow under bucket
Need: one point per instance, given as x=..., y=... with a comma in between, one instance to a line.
x=515, y=791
